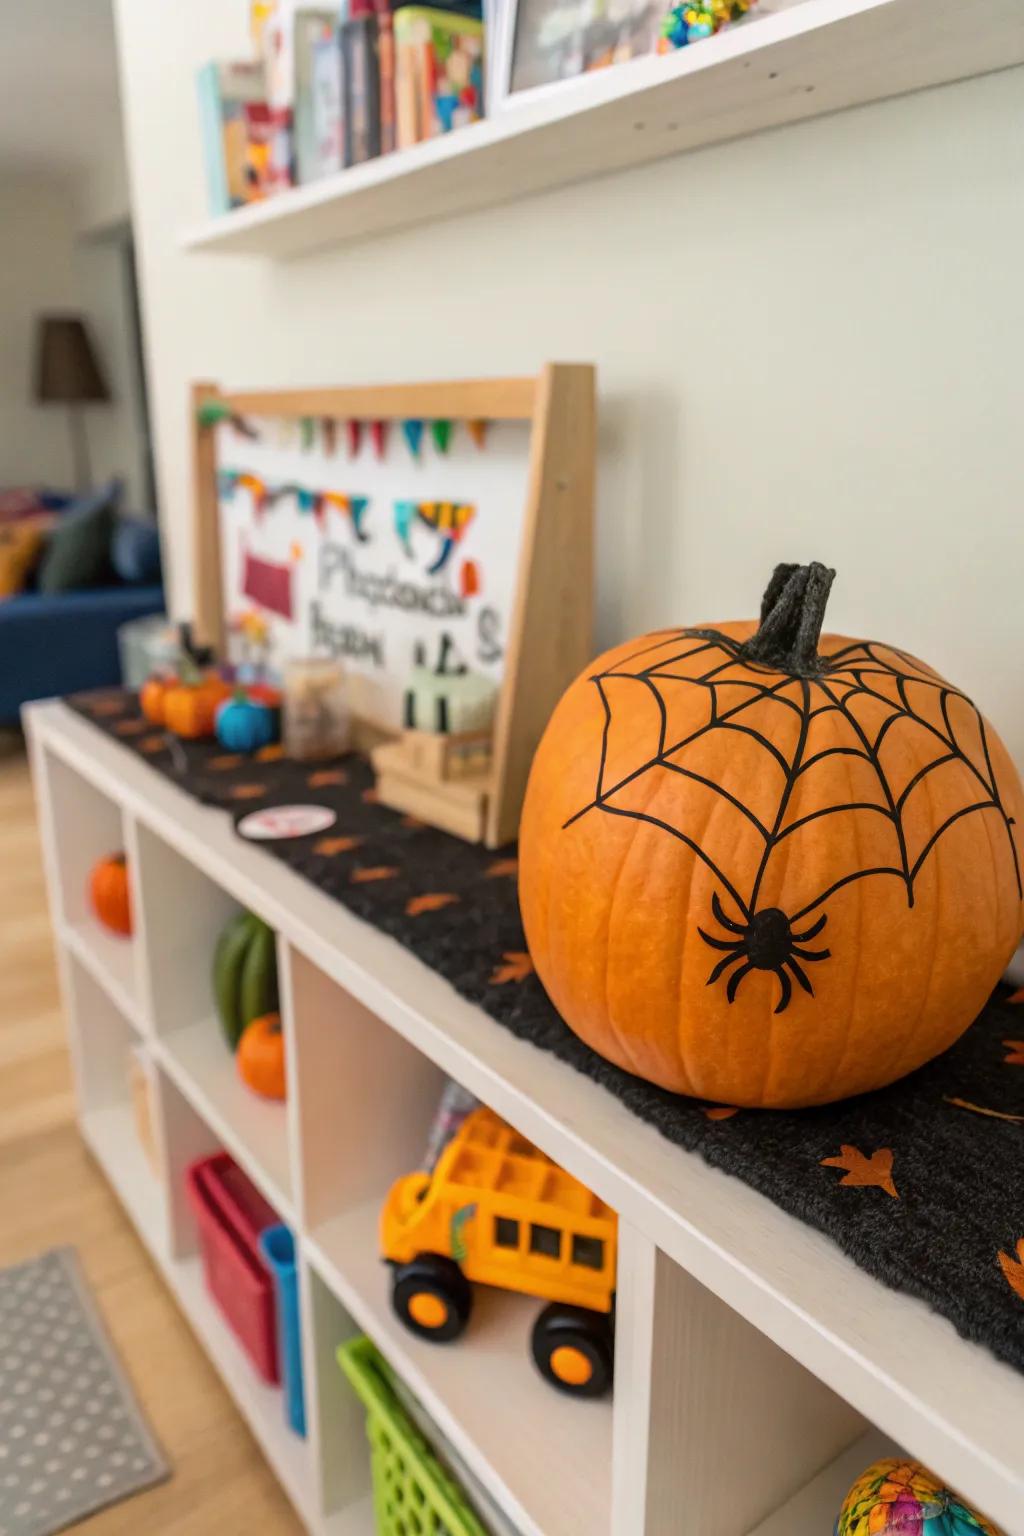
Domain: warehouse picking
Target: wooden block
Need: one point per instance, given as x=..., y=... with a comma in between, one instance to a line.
x=459, y=808
x=441, y=757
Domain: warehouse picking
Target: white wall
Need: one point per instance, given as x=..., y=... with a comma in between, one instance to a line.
x=37, y=272
x=809, y=345
x=48, y=266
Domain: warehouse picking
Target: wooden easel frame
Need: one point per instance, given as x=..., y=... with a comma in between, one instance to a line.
x=550, y=629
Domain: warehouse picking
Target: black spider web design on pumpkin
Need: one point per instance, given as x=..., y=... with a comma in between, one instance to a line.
x=754, y=937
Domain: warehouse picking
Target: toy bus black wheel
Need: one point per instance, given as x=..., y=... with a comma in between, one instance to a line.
x=574, y=1350
x=432, y=1297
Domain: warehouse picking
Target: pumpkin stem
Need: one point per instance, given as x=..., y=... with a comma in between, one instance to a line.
x=792, y=613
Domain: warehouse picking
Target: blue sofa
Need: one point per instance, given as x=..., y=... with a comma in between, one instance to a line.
x=62, y=643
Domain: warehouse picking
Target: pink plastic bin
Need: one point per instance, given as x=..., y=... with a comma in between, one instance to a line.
x=231, y=1214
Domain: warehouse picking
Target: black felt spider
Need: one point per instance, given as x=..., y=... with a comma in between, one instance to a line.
x=766, y=943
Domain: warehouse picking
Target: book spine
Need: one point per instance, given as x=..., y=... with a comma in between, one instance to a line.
x=211, y=127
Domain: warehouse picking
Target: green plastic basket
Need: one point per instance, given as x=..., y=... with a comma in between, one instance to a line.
x=413, y=1495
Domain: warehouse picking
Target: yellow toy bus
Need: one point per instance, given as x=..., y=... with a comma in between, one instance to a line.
x=498, y=1212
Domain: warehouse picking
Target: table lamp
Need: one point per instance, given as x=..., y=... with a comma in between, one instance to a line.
x=68, y=372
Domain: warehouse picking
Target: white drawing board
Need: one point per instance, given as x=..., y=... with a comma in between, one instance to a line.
x=335, y=552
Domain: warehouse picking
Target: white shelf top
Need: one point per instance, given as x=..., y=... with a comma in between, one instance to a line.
x=948, y=1402
x=514, y=1441
x=817, y=57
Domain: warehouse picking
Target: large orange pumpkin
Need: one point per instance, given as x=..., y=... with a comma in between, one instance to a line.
x=767, y=866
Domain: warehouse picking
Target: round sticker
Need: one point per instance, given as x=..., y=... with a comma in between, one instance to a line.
x=281, y=821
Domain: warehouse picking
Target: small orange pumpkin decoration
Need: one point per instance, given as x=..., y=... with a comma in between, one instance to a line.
x=153, y=695
x=766, y=866
x=260, y=1056
x=190, y=709
x=110, y=895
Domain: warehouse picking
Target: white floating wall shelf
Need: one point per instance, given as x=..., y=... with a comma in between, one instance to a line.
x=817, y=57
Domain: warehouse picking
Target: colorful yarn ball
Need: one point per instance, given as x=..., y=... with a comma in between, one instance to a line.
x=902, y=1498
x=688, y=23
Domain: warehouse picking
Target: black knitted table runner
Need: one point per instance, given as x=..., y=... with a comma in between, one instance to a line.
x=921, y=1184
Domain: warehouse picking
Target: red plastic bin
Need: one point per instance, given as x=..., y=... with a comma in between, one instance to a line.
x=230, y=1214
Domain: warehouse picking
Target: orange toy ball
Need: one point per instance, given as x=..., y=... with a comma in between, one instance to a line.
x=260, y=1057
x=769, y=867
x=153, y=695
x=190, y=709
x=110, y=894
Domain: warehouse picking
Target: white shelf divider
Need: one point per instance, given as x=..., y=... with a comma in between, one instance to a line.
x=813, y=58
x=748, y=1344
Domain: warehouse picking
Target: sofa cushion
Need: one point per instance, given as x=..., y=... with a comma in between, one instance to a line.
x=135, y=550
x=21, y=544
x=78, y=554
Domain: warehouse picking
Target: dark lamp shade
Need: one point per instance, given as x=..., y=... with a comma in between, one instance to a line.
x=66, y=365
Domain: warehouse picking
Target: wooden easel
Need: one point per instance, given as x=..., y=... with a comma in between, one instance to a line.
x=550, y=631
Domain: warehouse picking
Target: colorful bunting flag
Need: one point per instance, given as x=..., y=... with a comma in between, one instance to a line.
x=307, y=432
x=210, y=413
x=478, y=432
x=379, y=434
x=329, y=435
x=354, y=430
x=448, y=519
x=441, y=432
x=307, y=499
x=412, y=430
x=469, y=579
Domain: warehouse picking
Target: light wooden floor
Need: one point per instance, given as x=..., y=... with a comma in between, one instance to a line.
x=52, y=1193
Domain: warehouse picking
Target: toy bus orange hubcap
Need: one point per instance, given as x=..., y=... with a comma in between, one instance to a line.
x=428, y=1310
x=571, y=1365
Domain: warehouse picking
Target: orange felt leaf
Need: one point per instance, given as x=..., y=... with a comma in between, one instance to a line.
x=248, y=791
x=433, y=901
x=325, y=776
x=271, y=754
x=874, y=1172
x=1016, y=997
x=375, y=872
x=131, y=727
x=1013, y=1268
x=720, y=1112
x=1016, y=1050
x=106, y=707
x=517, y=966
x=229, y=760
x=329, y=846
x=979, y=1109
x=370, y=797
x=157, y=743
x=502, y=867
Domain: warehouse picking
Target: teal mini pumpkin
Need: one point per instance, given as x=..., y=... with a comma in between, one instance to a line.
x=244, y=724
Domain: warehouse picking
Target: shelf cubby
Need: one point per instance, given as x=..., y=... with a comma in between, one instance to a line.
x=105, y=1041
x=184, y=912
x=87, y=826
x=364, y=1102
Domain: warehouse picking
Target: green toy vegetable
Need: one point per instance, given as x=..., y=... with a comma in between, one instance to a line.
x=244, y=974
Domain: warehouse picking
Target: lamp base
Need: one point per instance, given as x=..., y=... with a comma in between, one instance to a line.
x=79, y=449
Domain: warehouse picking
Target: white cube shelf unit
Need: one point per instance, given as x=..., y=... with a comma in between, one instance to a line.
x=758, y=1370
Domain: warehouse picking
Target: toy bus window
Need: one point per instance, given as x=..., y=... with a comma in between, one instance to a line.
x=588, y=1252
x=506, y=1233
x=545, y=1240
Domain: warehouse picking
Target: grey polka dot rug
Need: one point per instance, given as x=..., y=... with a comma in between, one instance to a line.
x=72, y=1438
